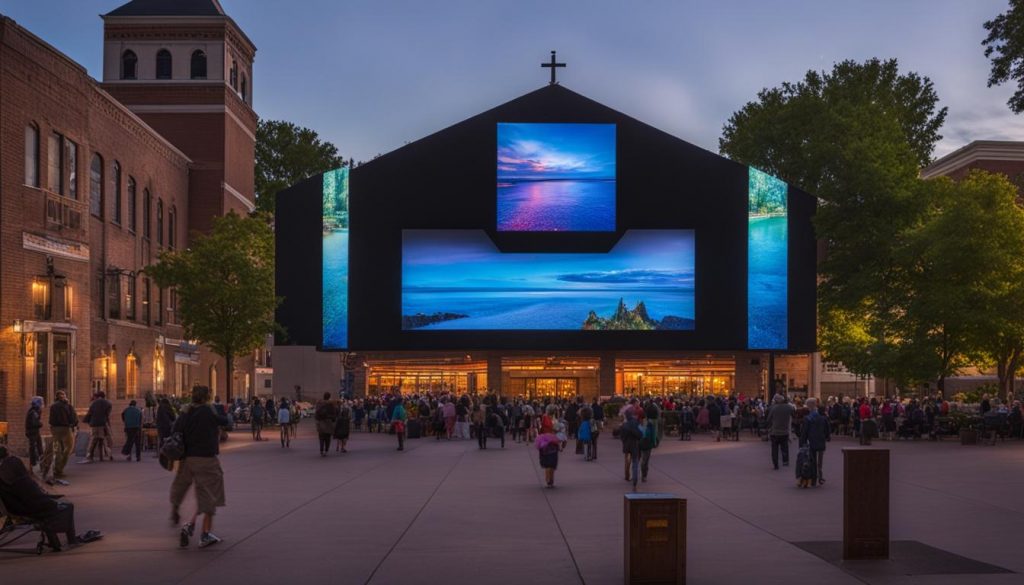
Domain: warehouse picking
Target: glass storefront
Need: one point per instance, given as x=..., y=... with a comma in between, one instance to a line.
x=715, y=375
x=411, y=377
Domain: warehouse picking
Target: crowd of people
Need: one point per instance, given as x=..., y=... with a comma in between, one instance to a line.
x=188, y=434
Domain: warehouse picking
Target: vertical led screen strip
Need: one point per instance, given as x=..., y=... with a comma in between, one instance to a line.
x=767, y=264
x=556, y=177
x=335, y=259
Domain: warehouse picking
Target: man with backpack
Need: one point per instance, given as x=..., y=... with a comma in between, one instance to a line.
x=197, y=436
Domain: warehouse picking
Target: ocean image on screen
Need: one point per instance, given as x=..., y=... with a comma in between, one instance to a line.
x=458, y=280
x=767, y=253
x=335, y=259
x=556, y=177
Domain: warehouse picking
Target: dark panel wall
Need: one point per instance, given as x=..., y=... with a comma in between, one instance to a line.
x=447, y=181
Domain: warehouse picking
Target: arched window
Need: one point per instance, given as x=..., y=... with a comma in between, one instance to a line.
x=147, y=206
x=159, y=221
x=245, y=89
x=32, y=155
x=198, y=64
x=118, y=202
x=163, y=64
x=96, y=186
x=234, y=75
x=129, y=65
x=172, y=226
x=132, y=220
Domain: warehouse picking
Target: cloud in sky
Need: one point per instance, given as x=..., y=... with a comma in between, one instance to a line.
x=556, y=151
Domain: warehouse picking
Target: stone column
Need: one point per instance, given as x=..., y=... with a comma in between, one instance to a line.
x=494, y=373
x=606, y=375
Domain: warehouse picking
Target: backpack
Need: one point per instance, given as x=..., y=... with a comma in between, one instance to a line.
x=650, y=438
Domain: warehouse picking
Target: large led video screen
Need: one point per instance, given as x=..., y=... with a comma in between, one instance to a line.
x=335, y=259
x=459, y=280
x=556, y=177
x=767, y=263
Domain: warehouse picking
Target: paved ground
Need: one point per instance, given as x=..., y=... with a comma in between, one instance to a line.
x=447, y=512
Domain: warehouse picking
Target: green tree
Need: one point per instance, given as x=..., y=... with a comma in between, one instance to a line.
x=855, y=137
x=285, y=155
x=225, y=286
x=1004, y=47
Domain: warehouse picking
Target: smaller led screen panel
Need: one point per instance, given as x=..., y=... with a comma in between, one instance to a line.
x=556, y=177
x=459, y=280
x=767, y=262
x=335, y=259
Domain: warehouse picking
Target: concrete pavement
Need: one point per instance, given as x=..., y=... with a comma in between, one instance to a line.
x=446, y=511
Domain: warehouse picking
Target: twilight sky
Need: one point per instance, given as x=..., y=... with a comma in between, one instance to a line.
x=371, y=75
x=556, y=151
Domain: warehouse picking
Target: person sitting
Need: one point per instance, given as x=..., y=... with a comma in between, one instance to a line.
x=23, y=497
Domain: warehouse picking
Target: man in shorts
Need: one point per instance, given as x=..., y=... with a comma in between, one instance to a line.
x=199, y=426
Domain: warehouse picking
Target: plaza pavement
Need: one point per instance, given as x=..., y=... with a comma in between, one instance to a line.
x=446, y=512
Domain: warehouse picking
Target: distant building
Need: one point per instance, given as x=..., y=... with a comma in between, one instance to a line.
x=99, y=178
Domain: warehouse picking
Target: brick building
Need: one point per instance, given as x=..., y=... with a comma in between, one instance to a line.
x=96, y=180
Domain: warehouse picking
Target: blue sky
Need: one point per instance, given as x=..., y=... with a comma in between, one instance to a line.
x=556, y=151
x=371, y=75
x=468, y=258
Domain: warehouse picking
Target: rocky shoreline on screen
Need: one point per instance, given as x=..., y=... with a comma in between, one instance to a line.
x=422, y=320
x=636, y=319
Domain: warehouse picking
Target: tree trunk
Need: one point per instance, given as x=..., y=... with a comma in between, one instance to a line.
x=229, y=362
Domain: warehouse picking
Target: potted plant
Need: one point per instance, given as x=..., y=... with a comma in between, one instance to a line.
x=968, y=431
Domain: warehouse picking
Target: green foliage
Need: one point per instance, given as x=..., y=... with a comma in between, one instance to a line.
x=1004, y=47
x=285, y=155
x=855, y=137
x=225, y=285
x=335, y=203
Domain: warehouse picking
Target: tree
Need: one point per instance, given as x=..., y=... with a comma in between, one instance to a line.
x=225, y=286
x=1004, y=47
x=855, y=137
x=285, y=155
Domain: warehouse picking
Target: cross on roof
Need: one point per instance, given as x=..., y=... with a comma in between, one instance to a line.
x=553, y=65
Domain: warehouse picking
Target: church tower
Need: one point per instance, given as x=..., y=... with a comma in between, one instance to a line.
x=185, y=68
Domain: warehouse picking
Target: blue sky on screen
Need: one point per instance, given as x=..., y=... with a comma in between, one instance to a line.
x=556, y=151
x=468, y=259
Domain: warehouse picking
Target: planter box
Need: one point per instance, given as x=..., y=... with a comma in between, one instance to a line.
x=968, y=437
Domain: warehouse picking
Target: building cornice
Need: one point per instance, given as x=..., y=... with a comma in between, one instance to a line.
x=1005, y=150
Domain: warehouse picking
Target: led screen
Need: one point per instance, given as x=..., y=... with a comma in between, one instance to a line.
x=556, y=177
x=335, y=259
x=767, y=270
x=459, y=280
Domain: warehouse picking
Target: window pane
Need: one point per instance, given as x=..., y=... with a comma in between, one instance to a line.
x=198, y=65
x=171, y=227
x=96, y=186
x=128, y=65
x=55, y=163
x=131, y=204
x=72, y=161
x=32, y=156
x=117, y=193
x=129, y=299
x=163, y=64
x=159, y=221
x=114, y=295
x=147, y=202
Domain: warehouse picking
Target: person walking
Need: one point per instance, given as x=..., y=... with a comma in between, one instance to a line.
x=398, y=418
x=284, y=417
x=479, y=417
x=595, y=427
x=33, y=426
x=98, y=419
x=647, y=444
x=326, y=414
x=815, y=433
x=199, y=425
x=343, y=427
x=63, y=421
x=165, y=418
x=449, y=418
x=256, y=416
x=779, y=420
x=548, y=445
x=630, y=433
x=584, y=434
x=132, y=418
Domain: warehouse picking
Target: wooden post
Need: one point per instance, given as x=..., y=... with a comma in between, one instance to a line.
x=654, y=539
x=865, y=504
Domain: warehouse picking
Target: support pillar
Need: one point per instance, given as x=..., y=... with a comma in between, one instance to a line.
x=494, y=373
x=606, y=375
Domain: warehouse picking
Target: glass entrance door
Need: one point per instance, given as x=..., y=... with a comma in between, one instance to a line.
x=539, y=388
x=61, y=364
x=52, y=364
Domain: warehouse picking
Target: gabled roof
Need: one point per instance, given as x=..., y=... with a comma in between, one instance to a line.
x=169, y=8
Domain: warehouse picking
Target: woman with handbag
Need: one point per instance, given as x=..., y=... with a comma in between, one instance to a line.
x=326, y=414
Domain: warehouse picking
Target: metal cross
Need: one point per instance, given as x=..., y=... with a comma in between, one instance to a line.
x=553, y=65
